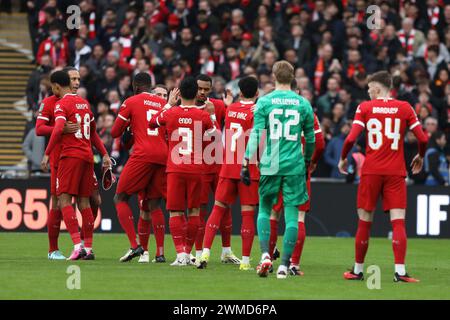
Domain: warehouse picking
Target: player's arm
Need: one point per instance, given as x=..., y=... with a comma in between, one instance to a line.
x=422, y=140
x=122, y=121
x=98, y=144
x=320, y=144
x=308, y=131
x=212, y=125
x=358, y=127
x=160, y=118
x=54, y=140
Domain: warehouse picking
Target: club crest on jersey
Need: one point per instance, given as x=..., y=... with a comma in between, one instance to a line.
x=58, y=108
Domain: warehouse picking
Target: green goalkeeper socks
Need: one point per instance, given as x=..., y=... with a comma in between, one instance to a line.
x=263, y=225
x=290, y=233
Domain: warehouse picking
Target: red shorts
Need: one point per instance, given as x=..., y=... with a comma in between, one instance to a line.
x=53, y=176
x=75, y=177
x=209, y=185
x=305, y=207
x=138, y=176
x=183, y=191
x=228, y=189
x=391, y=188
x=95, y=185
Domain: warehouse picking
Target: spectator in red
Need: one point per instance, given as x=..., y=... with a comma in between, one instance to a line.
x=56, y=46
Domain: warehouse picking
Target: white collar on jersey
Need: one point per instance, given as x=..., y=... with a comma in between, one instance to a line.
x=385, y=98
x=246, y=102
x=70, y=94
x=192, y=107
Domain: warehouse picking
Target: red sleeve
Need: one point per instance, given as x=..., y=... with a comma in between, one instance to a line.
x=95, y=139
x=42, y=129
x=56, y=134
x=160, y=119
x=119, y=127
x=320, y=147
x=415, y=126
x=351, y=139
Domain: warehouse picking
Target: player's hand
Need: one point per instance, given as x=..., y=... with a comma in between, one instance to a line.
x=342, y=165
x=71, y=127
x=174, y=95
x=107, y=161
x=417, y=164
x=44, y=163
x=312, y=167
x=245, y=173
x=209, y=107
x=228, y=97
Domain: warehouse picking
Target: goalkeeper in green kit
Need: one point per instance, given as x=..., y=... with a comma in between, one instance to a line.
x=280, y=118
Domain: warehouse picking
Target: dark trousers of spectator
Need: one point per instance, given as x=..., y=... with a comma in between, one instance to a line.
x=6, y=6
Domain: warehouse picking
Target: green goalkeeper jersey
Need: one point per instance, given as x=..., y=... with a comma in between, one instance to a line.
x=280, y=118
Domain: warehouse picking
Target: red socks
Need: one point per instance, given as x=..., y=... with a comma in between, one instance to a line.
x=144, y=232
x=53, y=227
x=192, y=229
x=201, y=230
x=159, y=229
x=178, y=225
x=94, y=209
x=362, y=240
x=70, y=219
x=247, y=232
x=225, y=229
x=273, y=236
x=297, y=253
x=399, y=240
x=88, y=227
x=213, y=223
x=126, y=220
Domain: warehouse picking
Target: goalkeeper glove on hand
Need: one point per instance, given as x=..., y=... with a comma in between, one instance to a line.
x=245, y=174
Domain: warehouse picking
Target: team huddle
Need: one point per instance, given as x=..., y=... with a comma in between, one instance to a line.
x=186, y=147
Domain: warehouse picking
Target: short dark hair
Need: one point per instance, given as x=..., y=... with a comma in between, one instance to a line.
x=69, y=68
x=204, y=77
x=142, y=79
x=162, y=86
x=435, y=48
x=61, y=78
x=437, y=135
x=382, y=77
x=188, y=88
x=248, y=86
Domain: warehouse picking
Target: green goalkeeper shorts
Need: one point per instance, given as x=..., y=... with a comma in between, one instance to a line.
x=294, y=189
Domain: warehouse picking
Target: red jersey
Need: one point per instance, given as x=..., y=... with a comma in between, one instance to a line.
x=220, y=110
x=47, y=113
x=185, y=127
x=149, y=144
x=385, y=123
x=75, y=109
x=238, y=124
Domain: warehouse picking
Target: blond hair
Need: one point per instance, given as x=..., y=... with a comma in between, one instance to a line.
x=283, y=71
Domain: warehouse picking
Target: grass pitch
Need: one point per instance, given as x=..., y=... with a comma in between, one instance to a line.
x=25, y=272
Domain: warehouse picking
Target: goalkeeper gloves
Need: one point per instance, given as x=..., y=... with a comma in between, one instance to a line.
x=245, y=173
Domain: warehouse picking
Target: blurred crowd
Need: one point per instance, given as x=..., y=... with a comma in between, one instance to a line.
x=334, y=46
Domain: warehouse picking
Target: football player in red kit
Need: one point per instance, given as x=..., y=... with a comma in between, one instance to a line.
x=75, y=175
x=238, y=123
x=385, y=121
x=294, y=268
x=210, y=176
x=144, y=171
x=186, y=126
x=44, y=126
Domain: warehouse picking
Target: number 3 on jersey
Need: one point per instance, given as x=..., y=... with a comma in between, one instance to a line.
x=375, y=135
x=86, y=126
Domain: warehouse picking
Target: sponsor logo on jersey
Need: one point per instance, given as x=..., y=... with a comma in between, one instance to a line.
x=385, y=110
